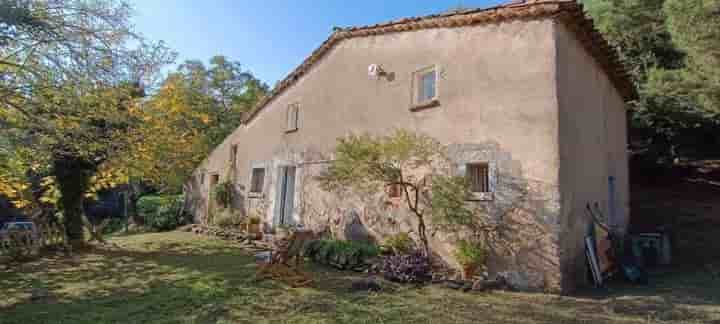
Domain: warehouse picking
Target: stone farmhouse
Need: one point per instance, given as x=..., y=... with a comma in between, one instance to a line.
x=527, y=96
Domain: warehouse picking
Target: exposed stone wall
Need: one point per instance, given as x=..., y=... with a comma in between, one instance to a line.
x=529, y=209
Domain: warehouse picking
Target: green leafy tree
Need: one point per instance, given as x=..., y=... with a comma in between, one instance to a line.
x=192, y=112
x=659, y=41
x=70, y=90
x=413, y=162
x=695, y=28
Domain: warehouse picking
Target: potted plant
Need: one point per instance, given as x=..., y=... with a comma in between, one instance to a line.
x=282, y=232
x=471, y=256
x=252, y=225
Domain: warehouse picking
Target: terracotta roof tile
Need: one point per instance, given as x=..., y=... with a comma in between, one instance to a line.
x=567, y=11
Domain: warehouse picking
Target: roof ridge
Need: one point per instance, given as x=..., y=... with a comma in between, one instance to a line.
x=568, y=11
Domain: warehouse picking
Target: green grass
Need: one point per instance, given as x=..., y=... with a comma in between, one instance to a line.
x=177, y=277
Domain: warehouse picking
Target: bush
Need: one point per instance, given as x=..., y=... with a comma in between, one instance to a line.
x=344, y=255
x=413, y=267
x=223, y=193
x=115, y=225
x=399, y=244
x=227, y=218
x=160, y=212
x=470, y=253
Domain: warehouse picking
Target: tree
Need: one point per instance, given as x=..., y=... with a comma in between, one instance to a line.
x=404, y=159
x=695, y=28
x=659, y=41
x=70, y=89
x=193, y=111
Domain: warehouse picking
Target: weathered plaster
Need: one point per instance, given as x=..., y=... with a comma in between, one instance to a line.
x=503, y=98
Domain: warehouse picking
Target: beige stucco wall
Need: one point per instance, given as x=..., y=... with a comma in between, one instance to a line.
x=593, y=142
x=498, y=89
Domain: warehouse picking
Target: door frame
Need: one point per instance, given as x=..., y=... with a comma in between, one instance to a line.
x=280, y=214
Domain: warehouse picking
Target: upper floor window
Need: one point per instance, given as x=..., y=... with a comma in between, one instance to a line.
x=293, y=113
x=425, y=91
x=427, y=86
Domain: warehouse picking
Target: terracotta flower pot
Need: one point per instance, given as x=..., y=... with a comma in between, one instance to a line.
x=468, y=271
x=282, y=232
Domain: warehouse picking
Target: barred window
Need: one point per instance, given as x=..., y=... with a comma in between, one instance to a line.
x=479, y=177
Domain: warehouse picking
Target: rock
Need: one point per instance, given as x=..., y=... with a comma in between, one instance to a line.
x=454, y=284
x=354, y=229
x=262, y=257
x=479, y=285
x=39, y=294
x=365, y=284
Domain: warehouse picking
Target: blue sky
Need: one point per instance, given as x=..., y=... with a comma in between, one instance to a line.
x=268, y=37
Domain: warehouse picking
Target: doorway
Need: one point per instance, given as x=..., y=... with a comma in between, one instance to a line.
x=285, y=197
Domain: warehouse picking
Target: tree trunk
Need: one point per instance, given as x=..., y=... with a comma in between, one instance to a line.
x=423, y=236
x=73, y=178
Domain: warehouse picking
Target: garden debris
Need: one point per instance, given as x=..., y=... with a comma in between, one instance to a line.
x=366, y=284
x=291, y=276
x=287, y=249
x=499, y=283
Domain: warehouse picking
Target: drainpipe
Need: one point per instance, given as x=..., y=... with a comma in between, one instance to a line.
x=611, y=202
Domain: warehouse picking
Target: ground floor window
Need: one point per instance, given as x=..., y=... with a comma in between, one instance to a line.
x=257, y=180
x=478, y=175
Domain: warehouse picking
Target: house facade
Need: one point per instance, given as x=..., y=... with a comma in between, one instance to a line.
x=528, y=98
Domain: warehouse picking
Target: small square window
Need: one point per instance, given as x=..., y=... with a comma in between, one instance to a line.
x=257, y=181
x=214, y=180
x=478, y=177
x=292, y=117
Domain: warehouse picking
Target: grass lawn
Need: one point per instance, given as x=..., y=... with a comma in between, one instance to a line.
x=178, y=277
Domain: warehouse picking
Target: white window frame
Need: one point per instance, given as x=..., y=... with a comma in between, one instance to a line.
x=492, y=180
x=256, y=194
x=417, y=87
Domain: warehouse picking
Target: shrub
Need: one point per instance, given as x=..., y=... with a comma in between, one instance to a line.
x=353, y=255
x=160, y=212
x=413, y=267
x=115, y=225
x=254, y=220
x=19, y=245
x=223, y=193
x=227, y=218
x=470, y=253
x=399, y=244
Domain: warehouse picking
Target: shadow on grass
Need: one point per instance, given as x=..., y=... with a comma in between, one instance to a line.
x=178, y=277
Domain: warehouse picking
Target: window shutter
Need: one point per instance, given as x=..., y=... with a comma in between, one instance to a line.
x=292, y=117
